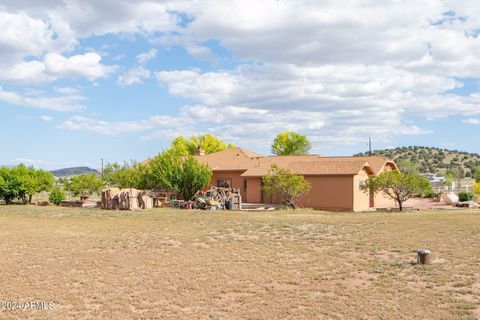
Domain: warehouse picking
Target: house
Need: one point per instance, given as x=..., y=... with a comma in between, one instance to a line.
x=438, y=183
x=335, y=181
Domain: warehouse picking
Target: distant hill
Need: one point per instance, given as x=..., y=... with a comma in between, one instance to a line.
x=67, y=172
x=433, y=160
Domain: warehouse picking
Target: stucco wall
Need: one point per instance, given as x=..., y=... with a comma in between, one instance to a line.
x=234, y=176
x=361, y=198
x=381, y=200
x=254, y=190
x=329, y=192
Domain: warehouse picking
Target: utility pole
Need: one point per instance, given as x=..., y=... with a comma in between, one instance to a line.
x=102, y=166
x=369, y=146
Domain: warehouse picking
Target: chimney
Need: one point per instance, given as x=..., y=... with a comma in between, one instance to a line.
x=199, y=152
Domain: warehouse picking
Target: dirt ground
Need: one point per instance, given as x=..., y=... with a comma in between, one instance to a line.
x=174, y=264
x=427, y=204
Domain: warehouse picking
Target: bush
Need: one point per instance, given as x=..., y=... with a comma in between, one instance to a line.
x=466, y=196
x=429, y=194
x=85, y=184
x=476, y=189
x=56, y=196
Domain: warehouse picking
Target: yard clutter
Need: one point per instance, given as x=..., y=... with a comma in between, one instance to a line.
x=449, y=198
x=126, y=199
x=145, y=199
x=218, y=198
x=467, y=204
x=459, y=201
x=107, y=199
x=215, y=198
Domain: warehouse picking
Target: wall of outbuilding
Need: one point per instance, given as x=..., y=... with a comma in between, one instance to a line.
x=333, y=193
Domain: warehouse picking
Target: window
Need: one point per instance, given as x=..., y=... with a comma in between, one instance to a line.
x=224, y=183
x=361, y=184
x=244, y=184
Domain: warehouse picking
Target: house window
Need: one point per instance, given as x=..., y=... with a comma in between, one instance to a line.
x=224, y=183
x=244, y=184
x=361, y=184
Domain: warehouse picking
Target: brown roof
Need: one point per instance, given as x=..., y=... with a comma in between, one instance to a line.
x=309, y=165
x=257, y=165
x=378, y=163
x=229, y=159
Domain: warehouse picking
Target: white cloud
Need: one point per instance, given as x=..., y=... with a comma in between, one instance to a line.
x=28, y=161
x=25, y=72
x=133, y=76
x=55, y=66
x=114, y=128
x=472, y=121
x=24, y=35
x=143, y=58
x=83, y=65
x=67, y=90
x=46, y=118
x=338, y=71
x=55, y=103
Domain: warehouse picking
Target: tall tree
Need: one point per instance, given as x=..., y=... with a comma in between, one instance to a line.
x=182, y=174
x=23, y=182
x=398, y=186
x=10, y=185
x=207, y=142
x=477, y=174
x=83, y=184
x=126, y=175
x=290, y=143
x=285, y=185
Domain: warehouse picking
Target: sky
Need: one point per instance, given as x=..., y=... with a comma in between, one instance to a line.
x=117, y=80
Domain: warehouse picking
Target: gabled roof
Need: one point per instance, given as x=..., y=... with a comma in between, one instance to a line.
x=378, y=163
x=309, y=165
x=256, y=165
x=229, y=159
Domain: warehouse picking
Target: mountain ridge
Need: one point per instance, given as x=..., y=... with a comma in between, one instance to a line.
x=460, y=164
x=73, y=171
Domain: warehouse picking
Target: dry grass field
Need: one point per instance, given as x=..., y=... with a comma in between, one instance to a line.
x=173, y=264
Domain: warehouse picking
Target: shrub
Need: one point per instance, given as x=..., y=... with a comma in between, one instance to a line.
x=56, y=196
x=398, y=186
x=285, y=185
x=476, y=189
x=83, y=184
x=465, y=196
x=429, y=194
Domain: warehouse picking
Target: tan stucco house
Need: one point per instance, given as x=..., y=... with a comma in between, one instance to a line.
x=335, y=181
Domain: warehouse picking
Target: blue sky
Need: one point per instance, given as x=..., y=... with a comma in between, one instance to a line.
x=118, y=80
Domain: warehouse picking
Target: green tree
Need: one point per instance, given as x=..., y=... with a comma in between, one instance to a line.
x=290, y=143
x=476, y=189
x=398, y=186
x=10, y=185
x=83, y=184
x=56, y=196
x=126, y=175
x=477, y=174
x=406, y=166
x=449, y=178
x=285, y=185
x=183, y=174
x=207, y=142
x=37, y=181
x=457, y=172
x=23, y=182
